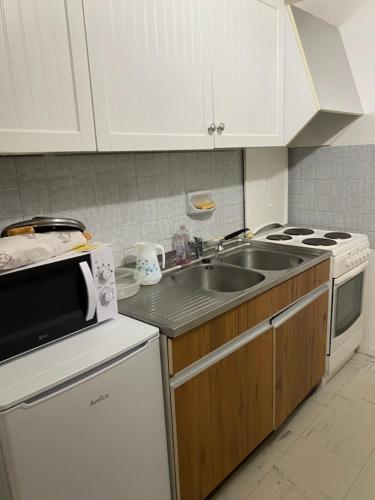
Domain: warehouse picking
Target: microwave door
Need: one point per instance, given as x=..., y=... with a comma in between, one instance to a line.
x=43, y=303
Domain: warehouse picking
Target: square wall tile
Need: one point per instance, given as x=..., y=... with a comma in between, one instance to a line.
x=35, y=201
x=8, y=173
x=10, y=203
x=125, y=166
x=31, y=170
x=58, y=170
x=61, y=198
x=82, y=168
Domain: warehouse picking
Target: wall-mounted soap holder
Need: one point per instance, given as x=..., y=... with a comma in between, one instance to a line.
x=200, y=203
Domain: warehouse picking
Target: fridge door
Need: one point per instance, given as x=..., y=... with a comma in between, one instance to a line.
x=100, y=436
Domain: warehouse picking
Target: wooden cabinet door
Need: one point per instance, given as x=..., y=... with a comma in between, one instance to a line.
x=300, y=353
x=151, y=74
x=45, y=94
x=247, y=53
x=221, y=415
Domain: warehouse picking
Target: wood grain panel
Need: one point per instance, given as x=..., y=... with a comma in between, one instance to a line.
x=200, y=341
x=300, y=356
x=222, y=414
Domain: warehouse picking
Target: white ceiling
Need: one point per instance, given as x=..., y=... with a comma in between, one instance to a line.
x=333, y=11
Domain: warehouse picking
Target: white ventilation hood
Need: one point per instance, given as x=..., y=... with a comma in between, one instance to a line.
x=321, y=98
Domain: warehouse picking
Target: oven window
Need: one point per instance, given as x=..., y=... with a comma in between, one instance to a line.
x=348, y=304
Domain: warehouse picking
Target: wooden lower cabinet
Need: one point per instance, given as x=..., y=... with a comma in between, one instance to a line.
x=300, y=348
x=193, y=345
x=221, y=415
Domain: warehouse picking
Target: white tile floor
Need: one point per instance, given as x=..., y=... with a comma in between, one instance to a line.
x=325, y=451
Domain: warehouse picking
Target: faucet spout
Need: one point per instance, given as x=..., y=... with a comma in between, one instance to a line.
x=220, y=247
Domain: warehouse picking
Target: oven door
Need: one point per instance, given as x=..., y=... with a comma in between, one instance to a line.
x=347, y=306
x=42, y=303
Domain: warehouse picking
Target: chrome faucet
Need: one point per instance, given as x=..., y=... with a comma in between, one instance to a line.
x=220, y=247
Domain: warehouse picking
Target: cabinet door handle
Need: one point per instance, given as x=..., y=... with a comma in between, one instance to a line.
x=221, y=127
x=296, y=308
x=212, y=128
x=220, y=353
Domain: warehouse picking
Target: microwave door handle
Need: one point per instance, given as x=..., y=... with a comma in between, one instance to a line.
x=90, y=290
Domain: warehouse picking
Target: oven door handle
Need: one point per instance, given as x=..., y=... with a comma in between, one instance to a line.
x=350, y=275
x=90, y=290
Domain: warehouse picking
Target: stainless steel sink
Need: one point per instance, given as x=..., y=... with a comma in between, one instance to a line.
x=218, y=277
x=262, y=259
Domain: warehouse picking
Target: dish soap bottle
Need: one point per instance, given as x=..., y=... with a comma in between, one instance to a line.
x=181, y=244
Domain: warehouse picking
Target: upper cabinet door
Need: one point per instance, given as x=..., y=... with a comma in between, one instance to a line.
x=247, y=39
x=151, y=74
x=45, y=96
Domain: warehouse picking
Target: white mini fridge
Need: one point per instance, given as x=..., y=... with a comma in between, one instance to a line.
x=83, y=419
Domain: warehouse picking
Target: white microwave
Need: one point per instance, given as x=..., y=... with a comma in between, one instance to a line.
x=48, y=300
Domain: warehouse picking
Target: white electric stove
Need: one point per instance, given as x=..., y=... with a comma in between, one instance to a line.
x=349, y=259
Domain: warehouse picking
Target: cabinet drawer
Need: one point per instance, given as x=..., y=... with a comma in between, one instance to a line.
x=200, y=341
x=221, y=415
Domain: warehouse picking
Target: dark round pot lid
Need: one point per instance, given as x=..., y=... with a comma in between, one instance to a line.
x=279, y=237
x=299, y=231
x=338, y=236
x=316, y=242
x=44, y=224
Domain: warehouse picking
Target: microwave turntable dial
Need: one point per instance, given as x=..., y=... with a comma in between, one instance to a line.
x=105, y=296
x=104, y=274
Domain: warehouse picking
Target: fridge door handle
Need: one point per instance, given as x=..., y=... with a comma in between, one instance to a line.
x=90, y=290
x=296, y=308
x=85, y=377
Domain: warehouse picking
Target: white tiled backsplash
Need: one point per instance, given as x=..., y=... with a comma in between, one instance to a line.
x=124, y=198
x=333, y=188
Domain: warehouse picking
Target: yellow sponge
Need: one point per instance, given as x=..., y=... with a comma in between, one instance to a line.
x=204, y=205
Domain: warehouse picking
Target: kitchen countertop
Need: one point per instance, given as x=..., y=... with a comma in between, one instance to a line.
x=176, y=308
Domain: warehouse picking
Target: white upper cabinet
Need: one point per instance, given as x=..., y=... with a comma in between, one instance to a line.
x=45, y=96
x=247, y=54
x=321, y=99
x=163, y=70
x=151, y=74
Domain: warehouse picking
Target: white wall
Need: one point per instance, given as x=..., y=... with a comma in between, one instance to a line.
x=266, y=186
x=356, y=20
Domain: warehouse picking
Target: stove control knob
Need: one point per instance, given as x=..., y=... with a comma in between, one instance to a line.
x=105, y=296
x=105, y=274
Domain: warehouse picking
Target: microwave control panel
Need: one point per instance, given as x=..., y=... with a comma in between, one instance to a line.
x=104, y=278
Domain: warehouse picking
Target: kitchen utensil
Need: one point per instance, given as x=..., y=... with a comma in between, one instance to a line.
x=45, y=224
x=127, y=282
x=149, y=272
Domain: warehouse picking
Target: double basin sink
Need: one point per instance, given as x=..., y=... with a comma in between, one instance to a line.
x=236, y=271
